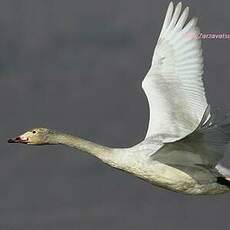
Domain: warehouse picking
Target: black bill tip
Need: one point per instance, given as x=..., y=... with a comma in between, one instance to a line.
x=15, y=140
x=11, y=141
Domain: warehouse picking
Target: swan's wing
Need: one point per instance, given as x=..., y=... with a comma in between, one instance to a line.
x=173, y=85
x=203, y=148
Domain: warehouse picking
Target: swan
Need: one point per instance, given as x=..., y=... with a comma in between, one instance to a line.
x=185, y=141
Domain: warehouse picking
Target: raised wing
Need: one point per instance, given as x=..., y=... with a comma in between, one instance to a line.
x=173, y=85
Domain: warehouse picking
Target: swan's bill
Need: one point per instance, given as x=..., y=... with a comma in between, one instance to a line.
x=19, y=139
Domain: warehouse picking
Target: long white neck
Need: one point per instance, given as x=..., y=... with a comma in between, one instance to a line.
x=97, y=150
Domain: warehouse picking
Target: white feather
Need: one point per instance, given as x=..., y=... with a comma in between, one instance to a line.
x=174, y=85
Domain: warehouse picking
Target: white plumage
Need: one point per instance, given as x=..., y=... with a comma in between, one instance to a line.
x=173, y=85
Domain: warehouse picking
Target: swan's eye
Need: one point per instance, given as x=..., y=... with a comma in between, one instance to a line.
x=34, y=132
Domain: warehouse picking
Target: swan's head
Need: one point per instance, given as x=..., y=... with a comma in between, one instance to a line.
x=37, y=136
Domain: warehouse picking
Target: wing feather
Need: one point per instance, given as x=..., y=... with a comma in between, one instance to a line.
x=173, y=85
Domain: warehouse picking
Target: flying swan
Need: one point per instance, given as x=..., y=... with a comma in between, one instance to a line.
x=184, y=142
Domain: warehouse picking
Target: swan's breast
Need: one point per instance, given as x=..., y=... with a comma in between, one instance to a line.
x=162, y=175
x=152, y=171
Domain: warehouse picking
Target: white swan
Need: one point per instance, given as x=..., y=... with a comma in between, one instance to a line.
x=184, y=143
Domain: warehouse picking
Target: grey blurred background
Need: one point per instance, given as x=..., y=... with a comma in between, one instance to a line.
x=77, y=66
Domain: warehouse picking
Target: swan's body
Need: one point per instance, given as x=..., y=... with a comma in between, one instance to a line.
x=183, y=144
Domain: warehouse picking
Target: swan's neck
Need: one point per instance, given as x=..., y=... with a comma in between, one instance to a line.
x=81, y=144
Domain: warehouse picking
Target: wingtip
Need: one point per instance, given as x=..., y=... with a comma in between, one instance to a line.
x=186, y=9
x=179, y=6
x=170, y=4
x=186, y=12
